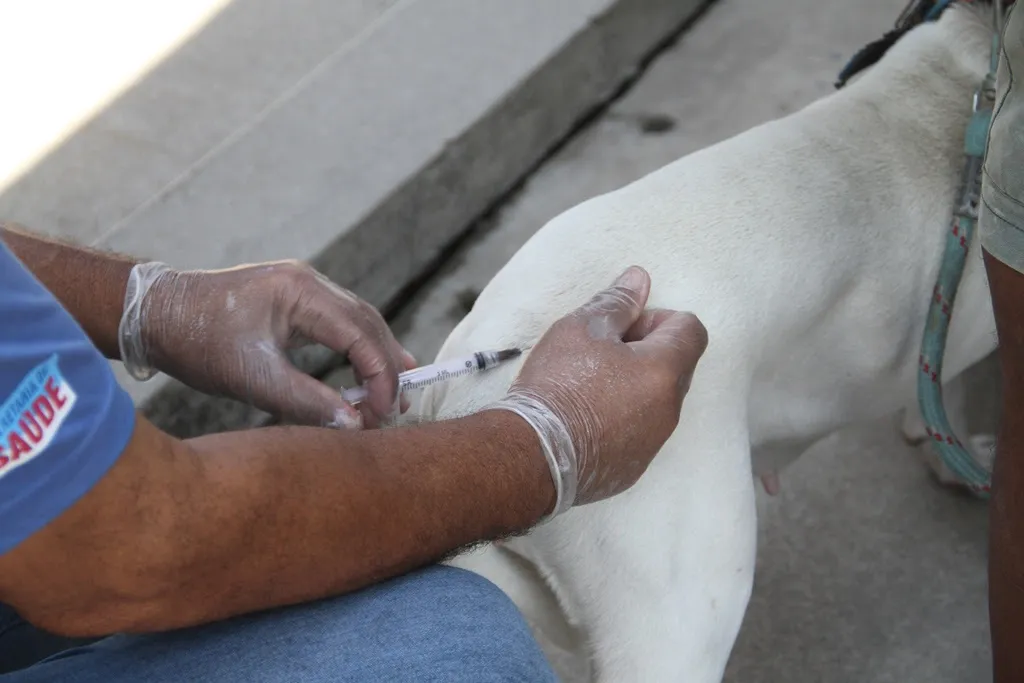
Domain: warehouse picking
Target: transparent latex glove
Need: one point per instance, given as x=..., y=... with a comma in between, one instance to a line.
x=226, y=333
x=604, y=388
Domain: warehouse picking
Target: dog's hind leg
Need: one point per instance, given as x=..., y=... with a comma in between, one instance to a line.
x=914, y=430
x=658, y=578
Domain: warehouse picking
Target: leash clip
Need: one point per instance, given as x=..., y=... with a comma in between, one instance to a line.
x=975, y=141
x=985, y=96
x=982, y=106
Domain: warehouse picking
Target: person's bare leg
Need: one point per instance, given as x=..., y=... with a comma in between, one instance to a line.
x=1006, y=535
x=1001, y=230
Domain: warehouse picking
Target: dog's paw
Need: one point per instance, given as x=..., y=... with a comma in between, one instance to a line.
x=982, y=448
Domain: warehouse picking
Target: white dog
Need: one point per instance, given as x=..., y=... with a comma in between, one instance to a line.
x=808, y=246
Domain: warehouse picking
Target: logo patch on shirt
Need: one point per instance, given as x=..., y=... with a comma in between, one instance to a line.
x=32, y=414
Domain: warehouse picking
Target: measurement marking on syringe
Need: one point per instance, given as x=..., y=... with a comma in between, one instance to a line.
x=426, y=376
x=441, y=377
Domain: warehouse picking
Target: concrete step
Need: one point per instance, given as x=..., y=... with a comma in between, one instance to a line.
x=365, y=140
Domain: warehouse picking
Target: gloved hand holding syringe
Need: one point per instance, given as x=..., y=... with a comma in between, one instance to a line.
x=419, y=378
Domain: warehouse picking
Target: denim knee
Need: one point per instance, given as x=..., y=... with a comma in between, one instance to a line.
x=480, y=629
x=437, y=625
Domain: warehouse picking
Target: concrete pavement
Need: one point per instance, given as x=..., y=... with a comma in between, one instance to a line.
x=363, y=136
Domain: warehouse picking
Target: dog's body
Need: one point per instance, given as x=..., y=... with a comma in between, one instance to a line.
x=808, y=247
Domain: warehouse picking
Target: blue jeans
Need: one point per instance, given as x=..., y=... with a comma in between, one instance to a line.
x=438, y=624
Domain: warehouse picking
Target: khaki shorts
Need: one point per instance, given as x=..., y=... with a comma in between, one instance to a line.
x=1001, y=218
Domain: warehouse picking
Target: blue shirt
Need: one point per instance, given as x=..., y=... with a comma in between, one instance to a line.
x=64, y=420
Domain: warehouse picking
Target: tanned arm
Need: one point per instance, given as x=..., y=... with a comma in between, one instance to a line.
x=186, y=532
x=178, y=533
x=89, y=284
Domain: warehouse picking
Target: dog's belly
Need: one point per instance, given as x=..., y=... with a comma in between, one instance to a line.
x=823, y=386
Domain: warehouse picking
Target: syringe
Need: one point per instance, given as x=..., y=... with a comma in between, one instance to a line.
x=439, y=372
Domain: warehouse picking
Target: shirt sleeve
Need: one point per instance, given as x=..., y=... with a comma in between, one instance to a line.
x=64, y=420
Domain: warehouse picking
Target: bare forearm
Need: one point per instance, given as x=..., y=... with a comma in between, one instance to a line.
x=239, y=522
x=90, y=284
x=346, y=512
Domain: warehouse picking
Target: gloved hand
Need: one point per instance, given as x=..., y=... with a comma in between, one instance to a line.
x=225, y=332
x=604, y=387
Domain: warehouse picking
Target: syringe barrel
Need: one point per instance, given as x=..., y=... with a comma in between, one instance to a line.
x=451, y=366
x=440, y=371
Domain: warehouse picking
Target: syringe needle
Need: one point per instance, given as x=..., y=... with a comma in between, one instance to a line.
x=418, y=378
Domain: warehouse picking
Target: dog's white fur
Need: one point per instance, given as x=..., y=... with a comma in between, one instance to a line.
x=808, y=246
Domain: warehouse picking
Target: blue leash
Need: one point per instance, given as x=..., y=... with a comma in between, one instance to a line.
x=957, y=458
x=958, y=240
